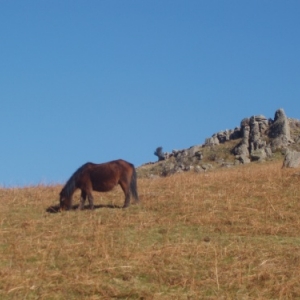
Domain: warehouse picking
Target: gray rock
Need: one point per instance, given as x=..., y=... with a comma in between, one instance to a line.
x=291, y=159
x=212, y=141
x=280, y=125
x=198, y=169
x=194, y=151
x=260, y=118
x=254, y=137
x=244, y=159
x=223, y=136
x=279, y=131
x=236, y=134
x=206, y=167
x=258, y=155
x=243, y=147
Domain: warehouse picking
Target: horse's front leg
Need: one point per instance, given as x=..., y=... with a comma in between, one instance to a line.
x=91, y=200
x=82, y=200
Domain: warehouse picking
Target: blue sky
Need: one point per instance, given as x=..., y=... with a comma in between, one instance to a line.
x=100, y=80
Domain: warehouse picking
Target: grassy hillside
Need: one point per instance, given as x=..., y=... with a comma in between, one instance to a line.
x=224, y=234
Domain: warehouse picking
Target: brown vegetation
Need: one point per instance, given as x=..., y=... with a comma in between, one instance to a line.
x=225, y=234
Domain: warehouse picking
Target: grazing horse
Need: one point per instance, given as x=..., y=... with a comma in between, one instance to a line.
x=100, y=178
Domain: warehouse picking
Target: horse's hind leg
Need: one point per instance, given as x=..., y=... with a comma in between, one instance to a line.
x=82, y=200
x=125, y=188
x=127, y=200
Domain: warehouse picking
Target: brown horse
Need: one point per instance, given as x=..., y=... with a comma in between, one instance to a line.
x=101, y=178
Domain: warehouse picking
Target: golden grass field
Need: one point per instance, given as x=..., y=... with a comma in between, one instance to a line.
x=224, y=234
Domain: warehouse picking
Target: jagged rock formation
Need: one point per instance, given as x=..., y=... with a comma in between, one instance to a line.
x=279, y=131
x=260, y=137
x=257, y=139
x=253, y=145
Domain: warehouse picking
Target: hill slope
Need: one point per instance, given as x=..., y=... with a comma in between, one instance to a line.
x=229, y=233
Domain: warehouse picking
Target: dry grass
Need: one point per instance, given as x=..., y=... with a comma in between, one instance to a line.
x=226, y=234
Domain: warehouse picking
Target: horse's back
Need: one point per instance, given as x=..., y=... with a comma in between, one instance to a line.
x=105, y=176
x=118, y=164
x=121, y=162
x=114, y=167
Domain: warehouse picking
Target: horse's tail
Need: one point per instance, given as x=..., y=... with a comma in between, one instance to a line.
x=133, y=185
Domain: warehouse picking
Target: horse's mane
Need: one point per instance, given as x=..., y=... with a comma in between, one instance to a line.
x=70, y=185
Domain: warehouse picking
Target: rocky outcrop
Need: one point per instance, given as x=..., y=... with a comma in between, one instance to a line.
x=262, y=136
x=257, y=139
x=253, y=145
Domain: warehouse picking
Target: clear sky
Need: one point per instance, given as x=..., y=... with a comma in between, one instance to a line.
x=97, y=80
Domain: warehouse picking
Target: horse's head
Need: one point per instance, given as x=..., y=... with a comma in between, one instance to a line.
x=64, y=201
